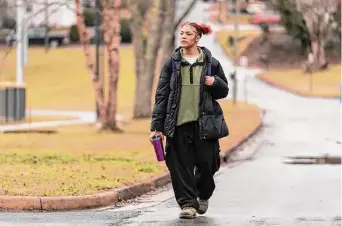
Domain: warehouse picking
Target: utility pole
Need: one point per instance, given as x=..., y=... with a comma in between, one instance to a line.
x=20, y=42
x=46, y=39
x=236, y=50
x=97, y=50
x=25, y=34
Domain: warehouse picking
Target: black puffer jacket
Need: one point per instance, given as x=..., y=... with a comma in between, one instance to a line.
x=211, y=121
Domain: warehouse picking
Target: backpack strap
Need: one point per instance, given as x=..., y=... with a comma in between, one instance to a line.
x=209, y=66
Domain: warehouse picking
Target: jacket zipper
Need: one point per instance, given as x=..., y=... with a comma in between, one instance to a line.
x=191, y=75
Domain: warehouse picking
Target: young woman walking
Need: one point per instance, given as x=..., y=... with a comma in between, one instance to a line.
x=187, y=114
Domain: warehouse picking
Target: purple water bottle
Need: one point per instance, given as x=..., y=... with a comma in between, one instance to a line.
x=158, y=148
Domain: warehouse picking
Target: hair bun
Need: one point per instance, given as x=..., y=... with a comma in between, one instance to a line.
x=202, y=28
x=206, y=29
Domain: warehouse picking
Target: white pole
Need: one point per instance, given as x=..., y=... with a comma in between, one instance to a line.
x=341, y=106
x=19, y=41
x=25, y=35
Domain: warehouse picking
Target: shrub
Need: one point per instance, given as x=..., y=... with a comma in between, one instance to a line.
x=74, y=35
x=126, y=35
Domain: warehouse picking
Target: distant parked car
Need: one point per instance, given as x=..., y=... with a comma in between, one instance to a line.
x=267, y=18
x=36, y=36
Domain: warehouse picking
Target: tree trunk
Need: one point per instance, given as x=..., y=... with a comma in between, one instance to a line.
x=315, y=49
x=173, y=43
x=322, y=60
x=186, y=12
x=317, y=15
x=168, y=31
x=84, y=38
x=112, y=40
x=139, y=53
x=146, y=68
x=146, y=49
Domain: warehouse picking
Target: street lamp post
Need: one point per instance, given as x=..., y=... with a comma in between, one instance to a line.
x=236, y=50
x=97, y=49
x=20, y=42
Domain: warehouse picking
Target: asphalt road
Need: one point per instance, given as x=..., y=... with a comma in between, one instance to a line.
x=264, y=189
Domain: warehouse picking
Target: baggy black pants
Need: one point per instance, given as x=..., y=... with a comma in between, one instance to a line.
x=192, y=163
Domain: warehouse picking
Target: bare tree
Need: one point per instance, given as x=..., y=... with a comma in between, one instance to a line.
x=146, y=51
x=169, y=27
x=8, y=10
x=112, y=33
x=111, y=18
x=318, y=17
x=84, y=39
x=111, y=15
x=160, y=34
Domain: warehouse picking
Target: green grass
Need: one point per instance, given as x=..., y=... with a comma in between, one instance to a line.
x=324, y=83
x=59, y=79
x=51, y=173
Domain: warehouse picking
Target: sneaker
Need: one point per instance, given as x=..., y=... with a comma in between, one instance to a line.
x=203, y=206
x=188, y=213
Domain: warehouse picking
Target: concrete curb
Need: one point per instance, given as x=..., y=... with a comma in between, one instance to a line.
x=64, y=203
x=294, y=91
x=225, y=156
x=102, y=199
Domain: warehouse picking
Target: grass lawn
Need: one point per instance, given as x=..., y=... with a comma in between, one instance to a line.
x=78, y=160
x=59, y=79
x=324, y=83
x=248, y=37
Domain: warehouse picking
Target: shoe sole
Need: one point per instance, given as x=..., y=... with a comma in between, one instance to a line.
x=187, y=217
x=201, y=212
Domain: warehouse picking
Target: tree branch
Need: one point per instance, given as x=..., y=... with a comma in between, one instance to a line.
x=186, y=12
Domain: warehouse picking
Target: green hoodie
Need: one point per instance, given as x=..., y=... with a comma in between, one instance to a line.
x=190, y=92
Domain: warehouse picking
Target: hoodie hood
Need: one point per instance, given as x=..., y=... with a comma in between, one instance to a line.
x=177, y=56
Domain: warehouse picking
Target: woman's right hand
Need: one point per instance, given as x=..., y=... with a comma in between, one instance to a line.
x=156, y=134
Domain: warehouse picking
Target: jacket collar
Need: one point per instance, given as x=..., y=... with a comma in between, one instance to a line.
x=200, y=58
x=177, y=56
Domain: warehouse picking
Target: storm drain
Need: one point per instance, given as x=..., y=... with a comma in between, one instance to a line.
x=309, y=160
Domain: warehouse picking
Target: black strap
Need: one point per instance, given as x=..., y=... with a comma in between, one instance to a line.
x=209, y=66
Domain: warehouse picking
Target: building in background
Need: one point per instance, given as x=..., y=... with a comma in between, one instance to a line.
x=59, y=13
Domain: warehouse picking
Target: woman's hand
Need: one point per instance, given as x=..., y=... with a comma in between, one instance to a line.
x=209, y=80
x=156, y=134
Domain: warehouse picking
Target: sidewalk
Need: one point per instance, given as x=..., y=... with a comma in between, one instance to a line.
x=84, y=117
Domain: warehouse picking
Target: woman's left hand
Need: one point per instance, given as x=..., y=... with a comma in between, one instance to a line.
x=209, y=80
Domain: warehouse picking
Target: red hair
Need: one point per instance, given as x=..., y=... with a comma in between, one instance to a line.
x=202, y=29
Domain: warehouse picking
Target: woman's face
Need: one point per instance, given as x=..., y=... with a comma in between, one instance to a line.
x=188, y=36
